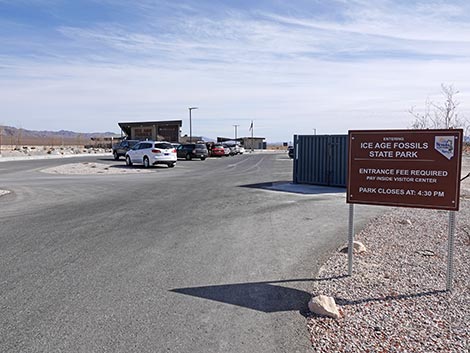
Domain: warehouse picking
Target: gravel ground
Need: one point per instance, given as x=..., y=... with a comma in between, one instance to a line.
x=395, y=301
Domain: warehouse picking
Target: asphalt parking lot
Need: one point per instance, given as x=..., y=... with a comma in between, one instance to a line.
x=199, y=258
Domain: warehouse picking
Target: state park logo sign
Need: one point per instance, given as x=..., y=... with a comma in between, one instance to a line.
x=445, y=145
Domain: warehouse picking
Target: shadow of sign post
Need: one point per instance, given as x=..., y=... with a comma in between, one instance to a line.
x=263, y=297
x=267, y=297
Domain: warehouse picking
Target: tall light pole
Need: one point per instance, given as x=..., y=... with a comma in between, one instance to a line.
x=251, y=129
x=191, y=124
x=236, y=127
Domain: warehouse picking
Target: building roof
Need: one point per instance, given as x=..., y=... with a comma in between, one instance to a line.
x=126, y=127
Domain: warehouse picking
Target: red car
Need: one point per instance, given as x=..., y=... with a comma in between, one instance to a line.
x=218, y=151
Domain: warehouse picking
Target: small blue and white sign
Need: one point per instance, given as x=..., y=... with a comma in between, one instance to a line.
x=445, y=146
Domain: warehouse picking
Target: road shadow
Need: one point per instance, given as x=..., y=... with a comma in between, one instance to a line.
x=287, y=186
x=267, y=297
x=110, y=159
x=184, y=160
x=122, y=165
x=138, y=166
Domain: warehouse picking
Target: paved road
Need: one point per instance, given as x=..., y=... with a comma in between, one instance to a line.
x=191, y=259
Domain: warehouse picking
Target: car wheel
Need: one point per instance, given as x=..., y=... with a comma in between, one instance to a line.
x=128, y=161
x=116, y=156
x=171, y=165
x=203, y=158
x=188, y=157
x=146, y=162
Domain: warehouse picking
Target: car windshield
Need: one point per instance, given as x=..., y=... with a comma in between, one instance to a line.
x=132, y=143
x=200, y=146
x=164, y=145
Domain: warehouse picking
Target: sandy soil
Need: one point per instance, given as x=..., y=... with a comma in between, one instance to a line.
x=86, y=168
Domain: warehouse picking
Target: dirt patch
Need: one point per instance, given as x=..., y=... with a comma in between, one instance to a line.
x=32, y=151
x=87, y=168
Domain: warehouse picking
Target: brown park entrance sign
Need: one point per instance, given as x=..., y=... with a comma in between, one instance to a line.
x=406, y=168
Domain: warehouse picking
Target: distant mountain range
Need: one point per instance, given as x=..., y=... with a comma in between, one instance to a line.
x=12, y=135
x=13, y=131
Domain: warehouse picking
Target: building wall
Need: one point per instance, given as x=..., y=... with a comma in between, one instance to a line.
x=154, y=130
x=170, y=133
x=143, y=133
x=256, y=143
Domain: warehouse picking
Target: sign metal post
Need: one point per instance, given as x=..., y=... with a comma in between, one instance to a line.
x=450, y=252
x=351, y=239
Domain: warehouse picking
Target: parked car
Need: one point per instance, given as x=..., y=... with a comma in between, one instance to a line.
x=121, y=148
x=234, y=149
x=234, y=146
x=227, y=150
x=151, y=153
x=217, y=151
x=192, y=150
x=290, y=151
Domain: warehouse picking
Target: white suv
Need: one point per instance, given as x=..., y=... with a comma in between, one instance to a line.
x=151, y=153
x=234, y=147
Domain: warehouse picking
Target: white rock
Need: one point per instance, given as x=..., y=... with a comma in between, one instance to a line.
x=358, y=247
x=324, y=305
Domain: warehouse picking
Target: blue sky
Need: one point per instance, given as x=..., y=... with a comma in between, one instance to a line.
x=291, y=66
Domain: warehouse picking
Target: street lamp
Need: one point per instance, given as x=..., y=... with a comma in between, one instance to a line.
x=236, y=126
x=190, y=124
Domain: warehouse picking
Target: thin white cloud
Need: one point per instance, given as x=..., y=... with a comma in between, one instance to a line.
x=276, y=38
